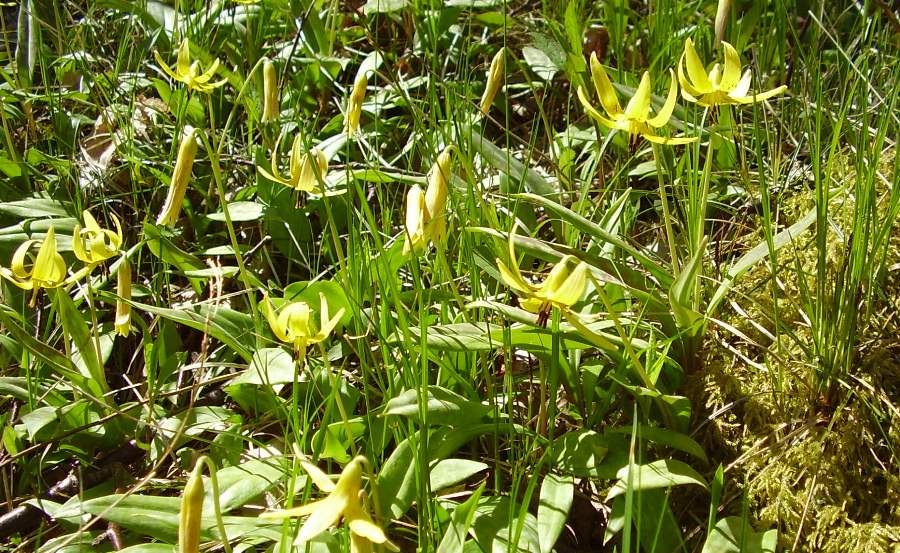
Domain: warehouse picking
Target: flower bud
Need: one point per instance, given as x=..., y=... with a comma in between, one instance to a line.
x=354, y=105
x=184, y=164
x=189, y=518
x=495, y=80
x=415, y=220
x=722, y=19
x=436, y=194
x=271, y=107
x=312, y=169
x=123, y=291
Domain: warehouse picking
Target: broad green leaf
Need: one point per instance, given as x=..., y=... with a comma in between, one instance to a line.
x=652, y=517
x=579, y=452
x=27, y=42
x=60, y=364
x=270, y=366
x=241, y=212
x=309, y=292
x=76, y=328
x=681, y=293
x=38, y=206
x=384, y=6
x=149, y=548
x=242, y=483
x=460, y=522
x=671, y=438
x=233, y=328
x=735, y=535
x=495, y=527
x=450, y=472
x=557, y=493
x=658, y=474
x=442, y=405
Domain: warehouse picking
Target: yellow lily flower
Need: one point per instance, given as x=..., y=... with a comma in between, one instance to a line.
x=306, y=168
x=723, y=85
x=123, y=291
x=295, y=324
x=562, y=288
x=426, y=217
x=635, y=119
x=189, y=73
x=93, y=244
x=354, y=105
x=345, y=500
x=48, y=269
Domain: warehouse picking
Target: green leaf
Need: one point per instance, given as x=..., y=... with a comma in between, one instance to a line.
x=504, y=162
x=443, y=406
x=579, y=452
x=555, y=502
x=36, y=207
x=667, y=437
x=495, y=527
x=241, y=212
x=460, y=521
x=681, y=293
x=450, y=472
x=735, y=535
x=652, y=517
x=384, y=6
x=269, y=366
x=757, y=254
x=240, y=484
x=27, y=42
x=658, y=474
x=231, y=327
x=76, y=328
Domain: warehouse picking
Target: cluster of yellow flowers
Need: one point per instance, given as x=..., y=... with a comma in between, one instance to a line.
x=723, y=85
x=46, y=268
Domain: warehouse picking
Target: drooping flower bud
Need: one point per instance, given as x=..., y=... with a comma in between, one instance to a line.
x=189, y=518
x=495, y=80
x=184, y=164
x=123, y=291
x=271, y=105
x=415, y=220
x=354, y=105
x=436, y=194
x=722, y=19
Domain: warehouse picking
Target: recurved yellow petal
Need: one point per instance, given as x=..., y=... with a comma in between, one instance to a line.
x=665, y=113
x=605, y=91
x=638, y=108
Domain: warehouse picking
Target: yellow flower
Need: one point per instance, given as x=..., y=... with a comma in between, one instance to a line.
x=190, y=515
x=189, y=73
x=345, y=500
x=723, y=85
x=93, y=244
x=123, y=291
x=271, y=108
x=562, y=288
x=184, y=164
x=48, y=269
x=307, y=169
x=295, y=324
x=635, y=119
x=426, y=213
x=354, y=105
x=495, y=80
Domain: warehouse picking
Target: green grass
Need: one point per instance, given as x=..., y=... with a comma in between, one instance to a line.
x=709, y=364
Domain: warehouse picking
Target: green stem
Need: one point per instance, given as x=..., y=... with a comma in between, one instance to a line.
x=667, y=215
x=220, y=524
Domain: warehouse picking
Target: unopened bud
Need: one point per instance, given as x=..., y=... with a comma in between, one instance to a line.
x=436, y=194
x=184, y=164
x=354, y=106
x=495, y=80
x=189, y=518
x=271, y=106
x=722, y=19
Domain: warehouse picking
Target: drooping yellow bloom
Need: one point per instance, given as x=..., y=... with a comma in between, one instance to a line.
x=123, y=291
x=635, y=119
x=562, y=288
x=295, y=324
x=495, y=80
x=48, y=269
x=184, y=164
x=723, y=85
x=345, y=500
x=426, y=213
x=93, y=244
x=307, y=169
x=354, y=105
x=190, y=73
x=271, y=107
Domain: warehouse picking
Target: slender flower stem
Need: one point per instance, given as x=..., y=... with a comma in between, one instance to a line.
x=667, y=215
